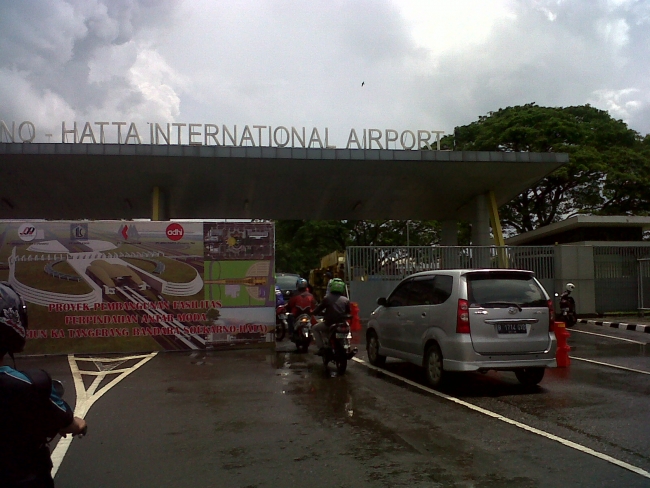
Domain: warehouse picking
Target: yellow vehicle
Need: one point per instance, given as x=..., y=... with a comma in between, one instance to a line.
x=331, y=266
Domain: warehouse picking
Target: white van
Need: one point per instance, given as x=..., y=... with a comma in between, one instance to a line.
x=466, y=320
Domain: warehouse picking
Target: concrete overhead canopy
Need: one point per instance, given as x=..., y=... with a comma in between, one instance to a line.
x=115, y=181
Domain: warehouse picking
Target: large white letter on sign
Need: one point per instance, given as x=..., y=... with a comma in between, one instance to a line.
x=423, y=140
x=374, y=135
x=402, y=138
x=31, y=130
x=72, y=131
x=353, y=138
x=133, y=132
x=87, y=132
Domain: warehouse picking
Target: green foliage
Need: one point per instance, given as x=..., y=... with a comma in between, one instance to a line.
x=608, y=171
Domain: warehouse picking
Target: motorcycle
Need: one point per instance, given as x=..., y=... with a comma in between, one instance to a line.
x=302, y=332
x=568, y=306
x=338, y=349
x=281, y=325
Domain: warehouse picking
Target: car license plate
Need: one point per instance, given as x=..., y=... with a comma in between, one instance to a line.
x=511, y=329
x=341, y=335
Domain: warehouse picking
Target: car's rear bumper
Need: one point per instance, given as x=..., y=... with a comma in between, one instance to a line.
x=500, y=364
x=459, y=355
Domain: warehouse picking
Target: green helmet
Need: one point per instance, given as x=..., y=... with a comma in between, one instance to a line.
x=337, y=286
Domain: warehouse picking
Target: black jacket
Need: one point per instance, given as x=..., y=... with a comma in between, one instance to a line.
x=334, y=307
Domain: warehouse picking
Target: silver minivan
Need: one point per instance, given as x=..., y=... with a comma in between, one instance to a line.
x=466, y=320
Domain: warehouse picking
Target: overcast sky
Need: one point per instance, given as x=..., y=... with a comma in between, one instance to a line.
x=424, y=64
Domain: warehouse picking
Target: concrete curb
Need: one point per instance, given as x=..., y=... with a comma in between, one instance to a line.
x=618, y=325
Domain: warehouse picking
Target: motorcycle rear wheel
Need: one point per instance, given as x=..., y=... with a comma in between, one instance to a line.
x=341, y=365
x=281, y=330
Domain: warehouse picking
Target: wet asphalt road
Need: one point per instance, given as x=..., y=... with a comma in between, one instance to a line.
x=255, y=418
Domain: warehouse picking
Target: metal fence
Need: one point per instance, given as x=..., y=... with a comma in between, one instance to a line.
x=365, y=263
x=374, y=271
x=620, y=283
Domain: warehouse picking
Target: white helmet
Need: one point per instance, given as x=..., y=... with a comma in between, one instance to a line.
x=570, y=286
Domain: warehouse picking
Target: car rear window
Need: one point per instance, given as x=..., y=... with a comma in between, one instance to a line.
x=287, y=282
x=503, y=289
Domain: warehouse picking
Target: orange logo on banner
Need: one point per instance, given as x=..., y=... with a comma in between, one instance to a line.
x=175, y=231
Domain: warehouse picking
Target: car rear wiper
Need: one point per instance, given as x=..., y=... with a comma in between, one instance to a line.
x=507, y=304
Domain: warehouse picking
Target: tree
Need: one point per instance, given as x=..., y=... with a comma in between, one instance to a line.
x=608, y=170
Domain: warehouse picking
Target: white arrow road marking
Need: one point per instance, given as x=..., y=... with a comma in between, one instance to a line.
x=87, y=397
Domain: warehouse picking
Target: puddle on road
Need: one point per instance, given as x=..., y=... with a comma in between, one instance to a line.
x=416, y=454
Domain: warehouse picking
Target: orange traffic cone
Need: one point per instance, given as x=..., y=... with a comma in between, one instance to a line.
x=562, y=354
x=355, y=323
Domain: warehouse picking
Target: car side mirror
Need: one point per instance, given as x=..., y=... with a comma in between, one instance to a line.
x=382, y=301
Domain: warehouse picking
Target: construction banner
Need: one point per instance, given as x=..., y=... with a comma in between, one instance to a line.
x=117, y=286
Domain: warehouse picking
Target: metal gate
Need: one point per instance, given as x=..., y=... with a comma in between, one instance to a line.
x=644, y=284
x=617, y=277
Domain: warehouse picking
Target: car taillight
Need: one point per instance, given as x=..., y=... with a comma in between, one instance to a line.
x=462, y=317
x=551, y=316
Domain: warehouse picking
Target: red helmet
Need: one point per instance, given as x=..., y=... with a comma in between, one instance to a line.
x=13, y=320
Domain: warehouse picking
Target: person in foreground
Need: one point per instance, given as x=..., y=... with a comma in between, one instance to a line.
x=335, y=308
x=32, y=413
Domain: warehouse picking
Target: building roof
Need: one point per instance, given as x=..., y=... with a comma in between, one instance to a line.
x=579, y=221
x=115, y=181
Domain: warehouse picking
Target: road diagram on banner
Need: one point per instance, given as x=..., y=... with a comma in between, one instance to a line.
x=86, y=397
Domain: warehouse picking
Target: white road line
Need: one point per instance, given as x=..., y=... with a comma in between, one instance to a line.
x=86, y=397
x=608, y=336
x=108, y=360
x=523, y=426
x=611, y=365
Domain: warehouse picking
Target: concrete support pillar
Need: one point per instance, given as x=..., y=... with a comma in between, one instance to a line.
x=449, y=234
x=449, y=257
x=481, y=222
x=158, y=205
x=481, y=232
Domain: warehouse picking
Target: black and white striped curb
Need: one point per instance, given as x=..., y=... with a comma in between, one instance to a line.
x=618, y=325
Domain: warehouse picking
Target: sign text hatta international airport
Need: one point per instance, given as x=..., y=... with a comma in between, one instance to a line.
x=177, y=133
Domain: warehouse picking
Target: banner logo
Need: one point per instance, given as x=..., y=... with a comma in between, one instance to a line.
x=27, y=232
x=79, y=232
x=175, y=231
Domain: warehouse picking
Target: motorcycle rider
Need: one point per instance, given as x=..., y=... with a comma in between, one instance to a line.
x=31, y=411
x=279, y=298
x=335, y=308
x=568, y=305
x=302, y=302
